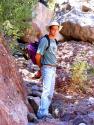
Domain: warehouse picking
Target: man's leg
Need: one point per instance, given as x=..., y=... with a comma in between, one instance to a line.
x=46, y=97
x=53, y=83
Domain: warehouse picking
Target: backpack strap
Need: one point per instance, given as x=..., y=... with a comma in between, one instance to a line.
x=56, y=41
x=48, y=41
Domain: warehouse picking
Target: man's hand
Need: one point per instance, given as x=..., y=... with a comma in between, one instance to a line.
x=37, y=75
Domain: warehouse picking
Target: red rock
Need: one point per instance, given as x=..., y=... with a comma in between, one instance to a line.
x=13, y=109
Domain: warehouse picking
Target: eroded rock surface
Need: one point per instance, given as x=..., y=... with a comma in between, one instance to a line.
x=13, y=110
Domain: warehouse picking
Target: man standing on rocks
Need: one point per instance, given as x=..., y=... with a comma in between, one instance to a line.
x=46, y=60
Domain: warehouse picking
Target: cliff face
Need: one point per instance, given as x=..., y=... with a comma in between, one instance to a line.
x=13, y=110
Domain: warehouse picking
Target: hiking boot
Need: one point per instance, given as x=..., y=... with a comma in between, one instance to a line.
x=49, y=116
x=46, y=117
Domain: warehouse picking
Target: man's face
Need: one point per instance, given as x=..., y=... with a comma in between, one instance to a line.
x=54, y=30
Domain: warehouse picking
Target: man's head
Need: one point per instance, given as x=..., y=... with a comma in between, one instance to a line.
x=53, y=28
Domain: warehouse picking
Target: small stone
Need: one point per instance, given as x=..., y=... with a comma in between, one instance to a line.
x=32, y=118
x=82, y=124
x=36, y=93
x=37, y=88
x=34, y=102
x=91, y=115
x=91, y=100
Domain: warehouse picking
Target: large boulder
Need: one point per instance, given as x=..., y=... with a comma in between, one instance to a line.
x=78, y=25
x=42, y=17
x=13, y=109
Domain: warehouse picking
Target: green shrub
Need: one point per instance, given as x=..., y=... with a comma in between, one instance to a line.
x=14, y=15
x=79, y=75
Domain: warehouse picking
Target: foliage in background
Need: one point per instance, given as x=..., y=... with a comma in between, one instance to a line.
x=79, y=73
x=14, y=16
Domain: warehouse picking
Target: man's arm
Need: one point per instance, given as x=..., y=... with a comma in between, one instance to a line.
x=41, y=50
x=38, y=59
